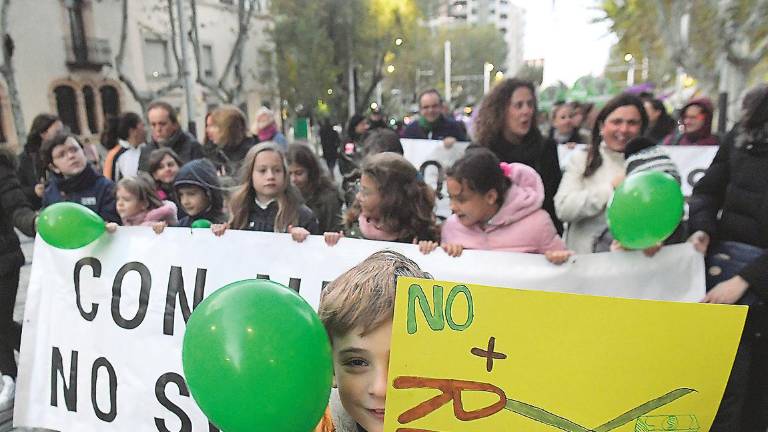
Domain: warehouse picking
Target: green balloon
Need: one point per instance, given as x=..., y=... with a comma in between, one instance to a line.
x=257, y=358
x=68, y=225
x=646, y=208
x=201, y=223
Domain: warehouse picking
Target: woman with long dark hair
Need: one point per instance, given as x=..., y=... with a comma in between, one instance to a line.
x=506, y=124
x=592, y=175
x=31, y=170
x=660, y=123
x=319, y=192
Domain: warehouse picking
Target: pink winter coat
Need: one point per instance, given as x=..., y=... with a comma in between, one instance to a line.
x=520, y=225
x=165, y=213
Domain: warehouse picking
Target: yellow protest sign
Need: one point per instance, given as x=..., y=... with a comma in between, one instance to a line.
x=476, y=358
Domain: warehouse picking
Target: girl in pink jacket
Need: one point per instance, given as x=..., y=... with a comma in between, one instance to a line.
x=497, y=206
x=138, y=204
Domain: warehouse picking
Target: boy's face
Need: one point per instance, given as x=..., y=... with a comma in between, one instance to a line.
x=193, y=199
x=68, y=159
x=360, y=365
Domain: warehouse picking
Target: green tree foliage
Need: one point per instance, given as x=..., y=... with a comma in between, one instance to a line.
x=730, y=31
x=317, y=40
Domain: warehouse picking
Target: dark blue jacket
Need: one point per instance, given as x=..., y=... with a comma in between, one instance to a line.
x=88, y=188
x=443, y=127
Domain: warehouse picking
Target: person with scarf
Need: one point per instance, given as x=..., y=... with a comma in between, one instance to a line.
x=167, y=132
x=265, y=129
x=74, y=179
x=432, y=124
x=696, y=119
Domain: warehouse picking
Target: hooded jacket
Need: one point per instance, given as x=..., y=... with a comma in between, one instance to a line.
x=520, y=225
x=202, y=174
x=702, y=136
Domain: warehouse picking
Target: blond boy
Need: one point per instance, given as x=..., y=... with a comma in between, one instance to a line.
x=357, y=310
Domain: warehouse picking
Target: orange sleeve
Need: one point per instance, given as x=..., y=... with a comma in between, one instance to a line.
x=326, y=423
x=109, y=162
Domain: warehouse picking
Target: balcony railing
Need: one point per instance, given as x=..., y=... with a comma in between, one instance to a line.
x=93, y=55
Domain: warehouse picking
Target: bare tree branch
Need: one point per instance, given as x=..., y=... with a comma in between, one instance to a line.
x=143, y=98
x=201, y=79
x=679, y=52
x=375, y=79
x=758, y=52
x=756, y=17
x=9, y=75
x=236, y=55
x=172, y=21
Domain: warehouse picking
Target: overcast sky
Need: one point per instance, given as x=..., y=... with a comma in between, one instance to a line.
x=563, y=35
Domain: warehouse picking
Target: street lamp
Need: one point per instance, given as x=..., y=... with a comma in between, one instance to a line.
x=391, y=68
x=399, y=41
x=630, y=70
x=487, y=68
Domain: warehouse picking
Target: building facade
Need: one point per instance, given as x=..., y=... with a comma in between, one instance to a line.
x=65, y=59
x=507, y=17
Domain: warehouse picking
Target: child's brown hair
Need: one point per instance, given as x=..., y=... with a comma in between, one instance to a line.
x=364, y=296
x=288, y=202
x=143, y=188
x=407, y=202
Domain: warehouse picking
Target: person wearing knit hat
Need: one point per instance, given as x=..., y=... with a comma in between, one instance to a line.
x=696, y=118
x=642, y=154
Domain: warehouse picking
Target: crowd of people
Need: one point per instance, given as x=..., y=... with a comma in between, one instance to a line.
x=507, y=192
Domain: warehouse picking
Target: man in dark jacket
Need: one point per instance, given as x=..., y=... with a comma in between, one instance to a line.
x=432, y=124
x=15, y=211
x=167, y=132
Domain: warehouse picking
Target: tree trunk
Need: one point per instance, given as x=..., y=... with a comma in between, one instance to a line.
x=9, y=75
x=733, y=81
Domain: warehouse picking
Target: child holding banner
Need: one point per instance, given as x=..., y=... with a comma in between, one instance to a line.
x=498, y=206
x=357, y=310
x=199, y=192
x=139, y=205
x=393, y=204
x=266, y=200
x=74, y=179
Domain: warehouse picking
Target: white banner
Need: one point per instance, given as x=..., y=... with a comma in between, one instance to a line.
x=103, y=325
x=692, y=161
